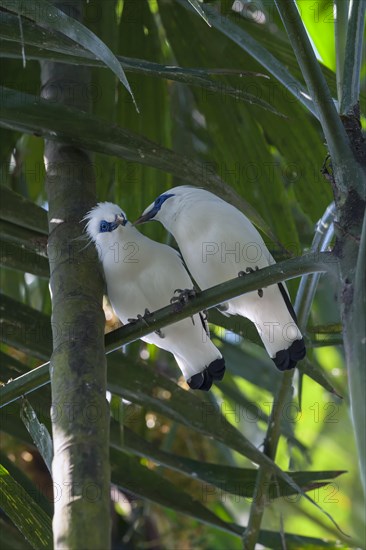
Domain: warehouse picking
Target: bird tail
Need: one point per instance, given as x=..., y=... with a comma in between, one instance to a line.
x=274, y=317
x=287, y=359
x=203, y=380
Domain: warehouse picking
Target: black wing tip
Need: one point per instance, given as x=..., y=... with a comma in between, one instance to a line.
x=204, y=380
x=286, y=359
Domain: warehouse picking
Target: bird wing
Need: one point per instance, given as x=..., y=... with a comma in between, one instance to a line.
x=217, y=242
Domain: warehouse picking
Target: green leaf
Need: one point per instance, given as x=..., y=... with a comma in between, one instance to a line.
x=238, y=481
x=32, y=114
x=128, y=474
x=32, y=491
x=307, y=367
x=44, y=13
x=11, y=538
x=264, y=160
x=10, y=367
x=254, y=413
x=25, y=328
x=26, y=514
x=197, y=6
x=260, y=370
x=22, y=258
x=140, y=385
x=318, y=18
x=23, y=230
x=41, y=44
x=152, y=486
x=261, y=54
x=18, y=210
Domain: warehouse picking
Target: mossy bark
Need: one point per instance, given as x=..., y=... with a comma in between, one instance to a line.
x=80, y=416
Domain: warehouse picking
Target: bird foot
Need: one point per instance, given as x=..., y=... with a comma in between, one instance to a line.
x=138, y=318
x=144, y=318
x=183, y=297
x=148, y=314
x=251, y=270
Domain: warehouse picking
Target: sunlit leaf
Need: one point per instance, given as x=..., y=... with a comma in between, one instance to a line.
x=26, y=514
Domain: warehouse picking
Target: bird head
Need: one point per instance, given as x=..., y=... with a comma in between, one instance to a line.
x=103, y=221
x=166, y=206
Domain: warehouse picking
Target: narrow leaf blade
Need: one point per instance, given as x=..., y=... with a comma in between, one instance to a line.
x=30, y=519
x=44, y=13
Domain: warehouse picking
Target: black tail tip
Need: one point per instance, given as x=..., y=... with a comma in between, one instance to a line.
x=287, y=359
x=204, y=380
x=217, y=368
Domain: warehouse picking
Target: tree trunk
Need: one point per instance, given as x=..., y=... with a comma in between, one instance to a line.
x=80, y=416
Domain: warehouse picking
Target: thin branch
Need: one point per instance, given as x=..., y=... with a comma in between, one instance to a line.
x=309, y=263
x=305, y=296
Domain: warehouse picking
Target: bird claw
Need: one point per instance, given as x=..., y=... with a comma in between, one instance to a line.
x=251, y=270
x=183, y=297
x=142, y=318
x=137, y=318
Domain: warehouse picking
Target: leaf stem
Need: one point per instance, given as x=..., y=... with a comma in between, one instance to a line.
x=340, y=30
x=352, y=58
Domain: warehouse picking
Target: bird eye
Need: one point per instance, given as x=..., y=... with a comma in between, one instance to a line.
x=104, y=226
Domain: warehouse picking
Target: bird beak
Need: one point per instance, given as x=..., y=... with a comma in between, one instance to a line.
x=146, y=216
x=120, y=220
x=141, y=219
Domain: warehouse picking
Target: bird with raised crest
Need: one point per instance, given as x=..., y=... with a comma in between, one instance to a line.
x=142, y=275
x=218, y=243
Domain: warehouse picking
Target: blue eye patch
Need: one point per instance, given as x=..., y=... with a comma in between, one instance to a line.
x=107, y=227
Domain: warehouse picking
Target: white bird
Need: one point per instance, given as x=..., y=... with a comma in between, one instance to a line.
x=217, y=241
x=142, y=274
